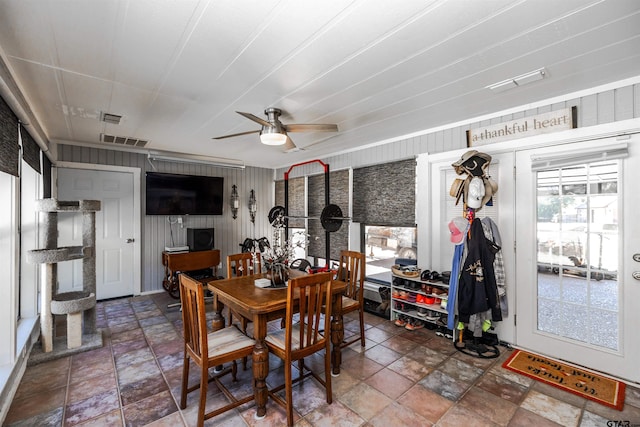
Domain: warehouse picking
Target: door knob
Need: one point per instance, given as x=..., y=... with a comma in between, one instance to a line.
x=130, y=240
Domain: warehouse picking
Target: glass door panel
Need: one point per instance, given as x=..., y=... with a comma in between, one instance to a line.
x=577, y=253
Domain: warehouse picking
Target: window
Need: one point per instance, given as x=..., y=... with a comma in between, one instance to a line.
x=382, y=245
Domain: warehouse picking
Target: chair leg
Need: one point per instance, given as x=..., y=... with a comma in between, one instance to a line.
x=204, y=383
x=327, y=375
x=289, y=393
x=361, y=326
x=185, y=381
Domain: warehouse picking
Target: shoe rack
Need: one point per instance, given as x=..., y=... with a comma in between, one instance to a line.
x=417, y=302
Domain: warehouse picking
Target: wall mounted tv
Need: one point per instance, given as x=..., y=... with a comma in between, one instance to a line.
x=172, y=194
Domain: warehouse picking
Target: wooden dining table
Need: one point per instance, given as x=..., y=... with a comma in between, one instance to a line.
x=262, y=305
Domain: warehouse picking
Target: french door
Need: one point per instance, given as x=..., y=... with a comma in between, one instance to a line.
x=578, y=253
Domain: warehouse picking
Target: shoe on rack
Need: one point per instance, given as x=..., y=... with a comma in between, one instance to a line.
x=414, y=324
x=422, y=312
x=433, y=316
x=400, y=321
x=411, y=297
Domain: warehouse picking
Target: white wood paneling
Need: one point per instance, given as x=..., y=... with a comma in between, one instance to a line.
x=612, y=105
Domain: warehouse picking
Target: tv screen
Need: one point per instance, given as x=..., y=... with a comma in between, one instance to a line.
x=172, y=194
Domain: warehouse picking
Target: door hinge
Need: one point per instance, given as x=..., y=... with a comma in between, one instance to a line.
x=515, y=320
x=514, y=172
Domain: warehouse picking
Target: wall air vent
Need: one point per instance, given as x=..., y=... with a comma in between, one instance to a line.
x=123, y=140
x=113, y=119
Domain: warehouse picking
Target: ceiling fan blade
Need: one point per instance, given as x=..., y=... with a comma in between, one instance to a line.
x=311, y=128
x=255, y=119
x=236, y=134
x=289, y=146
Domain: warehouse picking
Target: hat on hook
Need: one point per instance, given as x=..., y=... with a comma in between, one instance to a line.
x=457, y=189
x=458, y=226
x=472, y=162
x=490, y=188
x=475, y=193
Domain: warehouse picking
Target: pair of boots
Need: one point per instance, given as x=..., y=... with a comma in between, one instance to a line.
x=385, y=296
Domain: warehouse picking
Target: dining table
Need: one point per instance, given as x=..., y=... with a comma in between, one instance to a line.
x=262, y=305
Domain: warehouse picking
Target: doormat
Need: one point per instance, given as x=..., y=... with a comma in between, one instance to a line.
x=582, y=382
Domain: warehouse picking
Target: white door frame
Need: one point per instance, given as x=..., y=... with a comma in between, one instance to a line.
x=137, y=243
x=428, y=198
x=618, y=362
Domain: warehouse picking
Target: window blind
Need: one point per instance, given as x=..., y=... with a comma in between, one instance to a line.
x=30, y=150
x=560, y=160
x=385, y=194
x=9, y=148
x=297, y=198
x=338, y=195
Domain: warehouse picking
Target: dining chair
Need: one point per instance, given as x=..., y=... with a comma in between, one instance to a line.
x=352, y=270
x=239, y=265
x=308, y=297
x=208, y=350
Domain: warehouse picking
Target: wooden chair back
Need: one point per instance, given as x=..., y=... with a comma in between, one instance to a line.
x=242, y=264
x=310, y=297
x=194, y=318
x=352, y=271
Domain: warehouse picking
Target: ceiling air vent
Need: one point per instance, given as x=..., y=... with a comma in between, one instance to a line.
x=113, y=119
x=123, y=140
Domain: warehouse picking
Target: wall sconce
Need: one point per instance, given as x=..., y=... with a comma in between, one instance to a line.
x=234, y=201
x=253, y=206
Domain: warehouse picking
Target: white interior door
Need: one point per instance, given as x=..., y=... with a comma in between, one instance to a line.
x=575, y=209
x=116, y=243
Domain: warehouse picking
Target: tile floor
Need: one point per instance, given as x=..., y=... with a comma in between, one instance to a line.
x=401, y=378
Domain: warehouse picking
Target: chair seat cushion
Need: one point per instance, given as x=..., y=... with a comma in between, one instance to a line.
x=349, y=303
x=277, y=338
x=227, y=340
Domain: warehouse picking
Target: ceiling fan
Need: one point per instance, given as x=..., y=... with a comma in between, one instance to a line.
x=274, y=132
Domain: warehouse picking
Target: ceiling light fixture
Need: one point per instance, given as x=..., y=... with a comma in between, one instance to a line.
x=520, y=80
x=273, y=135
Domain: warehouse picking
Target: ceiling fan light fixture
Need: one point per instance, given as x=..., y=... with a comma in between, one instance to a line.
x=270, y=136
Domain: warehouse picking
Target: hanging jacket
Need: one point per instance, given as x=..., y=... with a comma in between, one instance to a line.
x=492, y=233
x=477, y=289
x=453, y=285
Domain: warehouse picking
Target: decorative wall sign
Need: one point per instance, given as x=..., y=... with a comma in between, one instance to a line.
x=553, y=121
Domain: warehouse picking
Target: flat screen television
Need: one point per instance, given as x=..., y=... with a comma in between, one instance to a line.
x=173, y=194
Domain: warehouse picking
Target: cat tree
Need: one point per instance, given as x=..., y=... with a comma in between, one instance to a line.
x=78, y=306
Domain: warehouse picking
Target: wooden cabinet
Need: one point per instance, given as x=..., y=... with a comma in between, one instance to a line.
x=186, y=262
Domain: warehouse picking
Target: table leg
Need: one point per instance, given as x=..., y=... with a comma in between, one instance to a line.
x=260, y=371
x=218, y=319
x=337, y=336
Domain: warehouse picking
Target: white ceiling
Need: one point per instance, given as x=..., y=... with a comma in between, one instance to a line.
x=178, y=70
